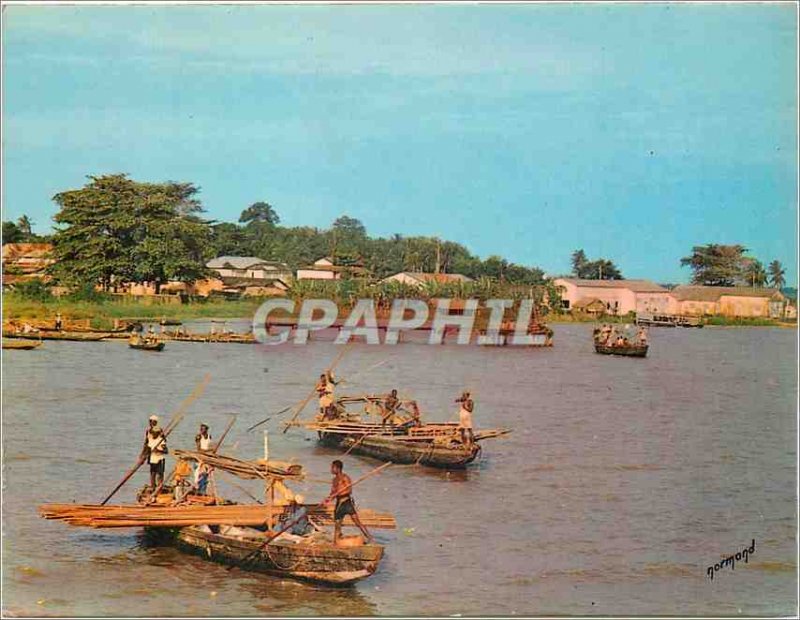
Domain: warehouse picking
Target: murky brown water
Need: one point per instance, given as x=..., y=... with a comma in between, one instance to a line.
x=623, y=481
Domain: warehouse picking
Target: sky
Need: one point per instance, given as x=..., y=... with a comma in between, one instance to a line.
x=633, y=132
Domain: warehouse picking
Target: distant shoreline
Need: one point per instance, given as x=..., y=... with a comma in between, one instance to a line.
x=102, y=314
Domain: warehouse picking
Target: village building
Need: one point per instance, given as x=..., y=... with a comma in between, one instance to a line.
x=419, y=279
x=619, y=296
x=730, y=301
x=326, y=269
x=250, y=267
x=25, y=261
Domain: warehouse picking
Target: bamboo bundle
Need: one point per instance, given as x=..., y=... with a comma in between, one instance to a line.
x=180, y=516
x=249, y=470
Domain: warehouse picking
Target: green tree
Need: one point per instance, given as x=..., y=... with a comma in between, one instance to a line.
x=25, y=226
x=777, y=274
x=259, y=212
x=716, y=265
x=601, y=269
x=115, y=229
x=12, y=233
x=753, y=273
x=579, y=262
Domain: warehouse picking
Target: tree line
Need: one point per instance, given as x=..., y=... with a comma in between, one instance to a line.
x=115, y=229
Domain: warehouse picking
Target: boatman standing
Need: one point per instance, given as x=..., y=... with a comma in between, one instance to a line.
x=340, y=490
x=465, y=418
x=155, y=450
x=203, y=439
x=390, y=405
x=326, y=386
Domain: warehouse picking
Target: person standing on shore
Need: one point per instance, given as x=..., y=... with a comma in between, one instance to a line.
x=340, y=490
x=58, y=321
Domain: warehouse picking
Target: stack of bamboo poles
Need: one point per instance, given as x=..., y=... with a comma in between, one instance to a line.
x=249, y=470
x=92, y=515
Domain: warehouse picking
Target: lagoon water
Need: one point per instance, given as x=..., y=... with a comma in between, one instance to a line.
x=623, y=481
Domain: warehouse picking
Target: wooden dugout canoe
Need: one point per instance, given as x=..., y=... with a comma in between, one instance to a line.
x=320, y=561
x=20, y=345
x=147, y=346
x=632, y=350
x=71, y=336
x=400, y=449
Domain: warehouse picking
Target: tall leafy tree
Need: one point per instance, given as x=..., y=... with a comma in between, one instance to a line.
x=777, y=274
x=715, y=264
x=259, y=212
x=25, y=225
x=601, y=269
x=116, y=229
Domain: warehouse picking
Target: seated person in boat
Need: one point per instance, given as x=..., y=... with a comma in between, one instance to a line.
x=620, y=342
x=298, y=514
x=642, y=336
x=465, y=418
x=415, y=417
x=183, y=485
x=155, y=450
x=203, y=439
x=340, y=491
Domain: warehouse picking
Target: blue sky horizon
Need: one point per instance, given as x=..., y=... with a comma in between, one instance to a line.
x=527, y=131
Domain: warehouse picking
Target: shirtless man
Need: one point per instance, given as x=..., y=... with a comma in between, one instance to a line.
x=340, y=490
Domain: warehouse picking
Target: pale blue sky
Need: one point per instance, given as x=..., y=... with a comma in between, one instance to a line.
x=633, y=132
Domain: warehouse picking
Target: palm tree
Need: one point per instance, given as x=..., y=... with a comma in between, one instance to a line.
x=777, y=274
x=754, y=273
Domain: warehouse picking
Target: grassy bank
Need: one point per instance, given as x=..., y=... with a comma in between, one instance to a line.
x=103, y=313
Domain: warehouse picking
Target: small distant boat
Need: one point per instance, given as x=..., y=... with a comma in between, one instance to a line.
x=630, y=350
x=147, y=346
x=21, y=345
x=170, y=322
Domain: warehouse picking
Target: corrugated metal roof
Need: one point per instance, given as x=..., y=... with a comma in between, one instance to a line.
x=242, y=262
x=637, y=286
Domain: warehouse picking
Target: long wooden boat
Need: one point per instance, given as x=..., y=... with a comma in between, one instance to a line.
x=399, y=449
x=541, y=336
x=147, y=346
x=236, y=534
x=20, y=345
x=71, y=336
x=631, y=350
x=317, y=561
x=404, y=440
x=210, y=338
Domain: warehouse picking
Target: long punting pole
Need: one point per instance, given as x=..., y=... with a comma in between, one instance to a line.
x=291, y=522
x=313, y=391
x=176, y=418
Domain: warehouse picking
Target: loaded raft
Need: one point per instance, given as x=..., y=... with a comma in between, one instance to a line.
x=398, y=436
x=256, y=537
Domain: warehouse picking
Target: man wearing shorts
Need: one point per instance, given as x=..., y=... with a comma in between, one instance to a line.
x=340, y=490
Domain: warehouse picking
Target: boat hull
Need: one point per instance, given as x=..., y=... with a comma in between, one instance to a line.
x=629, y=351
x=320, y=563
x=20, y=345
x=404, y=451
x=71, y=336
x=159, y=346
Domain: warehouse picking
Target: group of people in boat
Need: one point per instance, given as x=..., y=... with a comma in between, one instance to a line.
x=139, y=337
x=186, y=478
x=295, y=516
x=609, y=336
x=392, y=410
